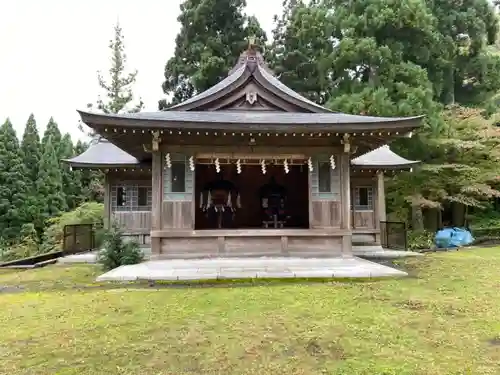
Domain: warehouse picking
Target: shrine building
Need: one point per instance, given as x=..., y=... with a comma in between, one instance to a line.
x=246, y=168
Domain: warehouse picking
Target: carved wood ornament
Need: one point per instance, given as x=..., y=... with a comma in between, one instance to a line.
x=251, y=97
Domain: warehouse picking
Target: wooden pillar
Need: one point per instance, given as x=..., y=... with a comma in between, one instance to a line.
x=107, y=201
x=157, y=199
x=345, y=191
x=381, y=197
x=345, y=194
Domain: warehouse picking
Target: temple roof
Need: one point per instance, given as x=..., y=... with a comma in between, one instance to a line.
x=236, y=120
x=103, y=154
x=250, y=67
x=383, y=158
x=249, y=100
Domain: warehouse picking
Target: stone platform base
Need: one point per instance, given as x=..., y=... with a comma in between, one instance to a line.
x=248, y=268
x=377, y=252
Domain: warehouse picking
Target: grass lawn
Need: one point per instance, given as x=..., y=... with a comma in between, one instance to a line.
x=446, y=320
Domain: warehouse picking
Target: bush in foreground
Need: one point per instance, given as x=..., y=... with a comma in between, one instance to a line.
x=118, y=252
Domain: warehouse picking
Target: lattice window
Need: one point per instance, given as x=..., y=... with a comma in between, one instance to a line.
x=131, y=197
x=363, y=198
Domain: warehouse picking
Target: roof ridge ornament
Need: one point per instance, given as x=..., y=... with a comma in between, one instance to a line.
x=251, y=43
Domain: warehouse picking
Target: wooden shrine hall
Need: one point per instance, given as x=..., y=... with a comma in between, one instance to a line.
x=246, y=168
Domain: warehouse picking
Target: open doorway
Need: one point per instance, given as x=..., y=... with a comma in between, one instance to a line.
x=251, y=199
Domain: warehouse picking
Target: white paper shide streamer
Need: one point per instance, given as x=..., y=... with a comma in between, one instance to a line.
x=238, y=166
x=285, y=165
x=310, y=164
x=263, y=166
x=332, y=161
x=217, y=165
x=191, y=163
x=168, y=162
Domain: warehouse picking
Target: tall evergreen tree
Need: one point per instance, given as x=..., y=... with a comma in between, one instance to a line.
x=304, y=40
x=52, y=131
x=118, y=87
x=13, y=184
x=463, y=69
x=31, y=153
x=72, y=180
x=50, y=184
x=213, y=35
x=30, y=148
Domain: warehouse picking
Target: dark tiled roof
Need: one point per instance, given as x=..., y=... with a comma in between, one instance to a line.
x=102, y=153
x=382, y=157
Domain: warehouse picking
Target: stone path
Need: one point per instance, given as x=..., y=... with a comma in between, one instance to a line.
x=246, y=268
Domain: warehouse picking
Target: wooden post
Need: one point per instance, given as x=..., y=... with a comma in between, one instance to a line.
x=345, y=194
x=107, y=201
x=157, y=199
x=345, y=190
x=381, y=197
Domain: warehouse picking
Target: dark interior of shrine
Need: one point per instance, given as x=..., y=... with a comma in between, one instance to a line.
x=251, y=199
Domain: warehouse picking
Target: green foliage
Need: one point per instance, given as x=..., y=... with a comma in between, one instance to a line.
x=459, y=166
x=49, y=184
x=72, y=180
x=86, y=213
x=30, y=148
x=13, y=184
x=420, y=240
x=213, y=35
x=118, y=252
x=302, y=48
x=26, y=246
x=52, y=131
x=462, y=69
x=118, y=90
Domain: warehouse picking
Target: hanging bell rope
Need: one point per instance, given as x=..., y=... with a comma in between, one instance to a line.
x=263, y=166
x=310, y=164
x=285, y=165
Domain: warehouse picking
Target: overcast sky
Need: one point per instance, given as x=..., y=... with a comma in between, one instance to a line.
x=52, y=49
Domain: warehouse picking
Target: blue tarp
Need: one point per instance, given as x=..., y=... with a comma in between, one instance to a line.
x=453, y=237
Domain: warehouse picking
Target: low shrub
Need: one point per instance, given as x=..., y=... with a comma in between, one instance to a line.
x=118, y=252
x=27, y=245
x=420, y=240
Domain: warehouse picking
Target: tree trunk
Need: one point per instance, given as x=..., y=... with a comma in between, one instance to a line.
x=417, y=218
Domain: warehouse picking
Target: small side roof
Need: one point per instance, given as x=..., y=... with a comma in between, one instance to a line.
x=102, y=153
x=383, y=158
